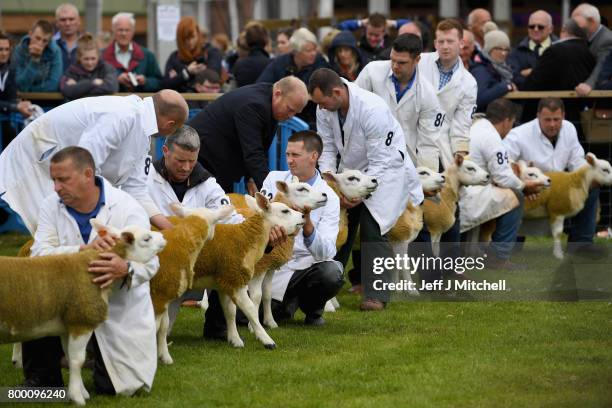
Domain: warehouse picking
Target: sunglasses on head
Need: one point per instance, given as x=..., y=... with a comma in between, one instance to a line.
x=538, y=26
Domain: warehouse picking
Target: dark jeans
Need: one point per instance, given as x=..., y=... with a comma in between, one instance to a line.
x=506, y=230
x=373, y=245
x=42, y=364
x=584, y=224
x=309, y=289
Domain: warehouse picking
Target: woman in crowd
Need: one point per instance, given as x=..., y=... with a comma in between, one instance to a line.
x=89, y=75
x=191, y=57
x=344, y=56
x=493, y=74
x=282, y=41
x=247, y=69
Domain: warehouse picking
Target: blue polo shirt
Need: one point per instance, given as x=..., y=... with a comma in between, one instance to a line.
x=398, y=93
x=82, y=219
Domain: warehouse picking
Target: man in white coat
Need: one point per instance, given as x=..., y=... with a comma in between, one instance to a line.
x=116, y=130
x=551, y=143
x=503, y=199
x=125, y=346
x=311, y=277
x=178, y=177
x=456, y=89
x=358, y=126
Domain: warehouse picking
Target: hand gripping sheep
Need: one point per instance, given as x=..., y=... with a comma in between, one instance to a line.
x=299, y=196
x=175, y=275
x=566, y=196
x=440, y=217
x=62, y=299
x=227, y=262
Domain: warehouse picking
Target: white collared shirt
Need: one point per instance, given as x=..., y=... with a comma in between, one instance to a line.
x=527, y=142
x=124, y=57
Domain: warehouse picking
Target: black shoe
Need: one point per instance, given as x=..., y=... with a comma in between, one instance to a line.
x=588, y=250
x=314, y=321
x=37, y=382
x=494, y=262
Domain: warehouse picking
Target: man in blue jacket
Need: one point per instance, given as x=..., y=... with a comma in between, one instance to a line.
x=38, y=60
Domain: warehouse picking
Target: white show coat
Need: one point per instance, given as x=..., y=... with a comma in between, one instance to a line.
x=418, y=111
x=127, y=338
x=326, y=222
x=479, y=204
x=116, y=130
x=207, y=194
x=373, y=143
x=527, y=142
x=458, y=101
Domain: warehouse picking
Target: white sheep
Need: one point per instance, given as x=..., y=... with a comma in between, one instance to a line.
x=227, y=262
x=175, y=275
x=62, y=299
x=567, y=195
x=440, y=217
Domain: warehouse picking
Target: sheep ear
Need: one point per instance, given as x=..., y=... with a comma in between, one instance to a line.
x=251, y=202
x=262, y=202
x=294, y=179
x=329, y=177
x=458, y=160
x=128, y=237
x=516, y=168
x=178, y=209
x=282, y=187
x=102, y=229
x=224, y=212
x=591, y=159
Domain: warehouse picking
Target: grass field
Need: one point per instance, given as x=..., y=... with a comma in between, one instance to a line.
x=414, y=354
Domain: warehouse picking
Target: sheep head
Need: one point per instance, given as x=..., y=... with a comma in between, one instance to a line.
x=528, y=172
x=430, y=180
x=300, y=195
x=353, y=183
x=602, y=172
x=211, y=216
x=277, y=214
x=469, y=173
x=141, y=244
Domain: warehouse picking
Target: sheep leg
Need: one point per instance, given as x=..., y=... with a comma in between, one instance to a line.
x=204, y=302
x=556, y=227
x=77, y=345
x=17, y=359
x=229, y=310
x=163, y=323
x=268, y=318
x=435, y=244
x=401, y=249
x=255, y=293
x=242, y=300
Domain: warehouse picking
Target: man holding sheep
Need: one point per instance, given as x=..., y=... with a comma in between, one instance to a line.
x=311, y=277
x=551, y=143
x=125, y=345
x=358, y=126
x=115, y=129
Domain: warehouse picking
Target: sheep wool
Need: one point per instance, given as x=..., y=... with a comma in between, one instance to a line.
x=176, y=261
x=566, y=195
x=343, y=225
x=408, y=224
x=440, y=217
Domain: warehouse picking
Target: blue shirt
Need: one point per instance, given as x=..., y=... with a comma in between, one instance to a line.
x=310, y=239
x=82, y=219
x=398, y=93
x=68, y=55
x=446, y=76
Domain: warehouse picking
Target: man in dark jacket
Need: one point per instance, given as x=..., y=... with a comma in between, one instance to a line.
x=237, y=129
x=301, y=62
x=526, y=54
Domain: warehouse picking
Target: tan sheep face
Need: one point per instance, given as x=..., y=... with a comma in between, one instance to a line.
x=302, y=195
x=430, y=180
x=355, y=184
x=471, y=174
x=278, y=214
x=531, y=173
x=602, y=169
x=142, y=244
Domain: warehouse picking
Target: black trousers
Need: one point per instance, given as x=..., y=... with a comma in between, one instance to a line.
x=42, y=364
x=309, y=289
x=373, y=245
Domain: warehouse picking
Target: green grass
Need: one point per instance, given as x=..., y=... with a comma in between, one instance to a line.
x=414, y=354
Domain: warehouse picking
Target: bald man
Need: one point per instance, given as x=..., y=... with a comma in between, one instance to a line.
x=468, y=49
x=525, y=55
x=116, y=130
x=237, y=129
x=476, y=19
